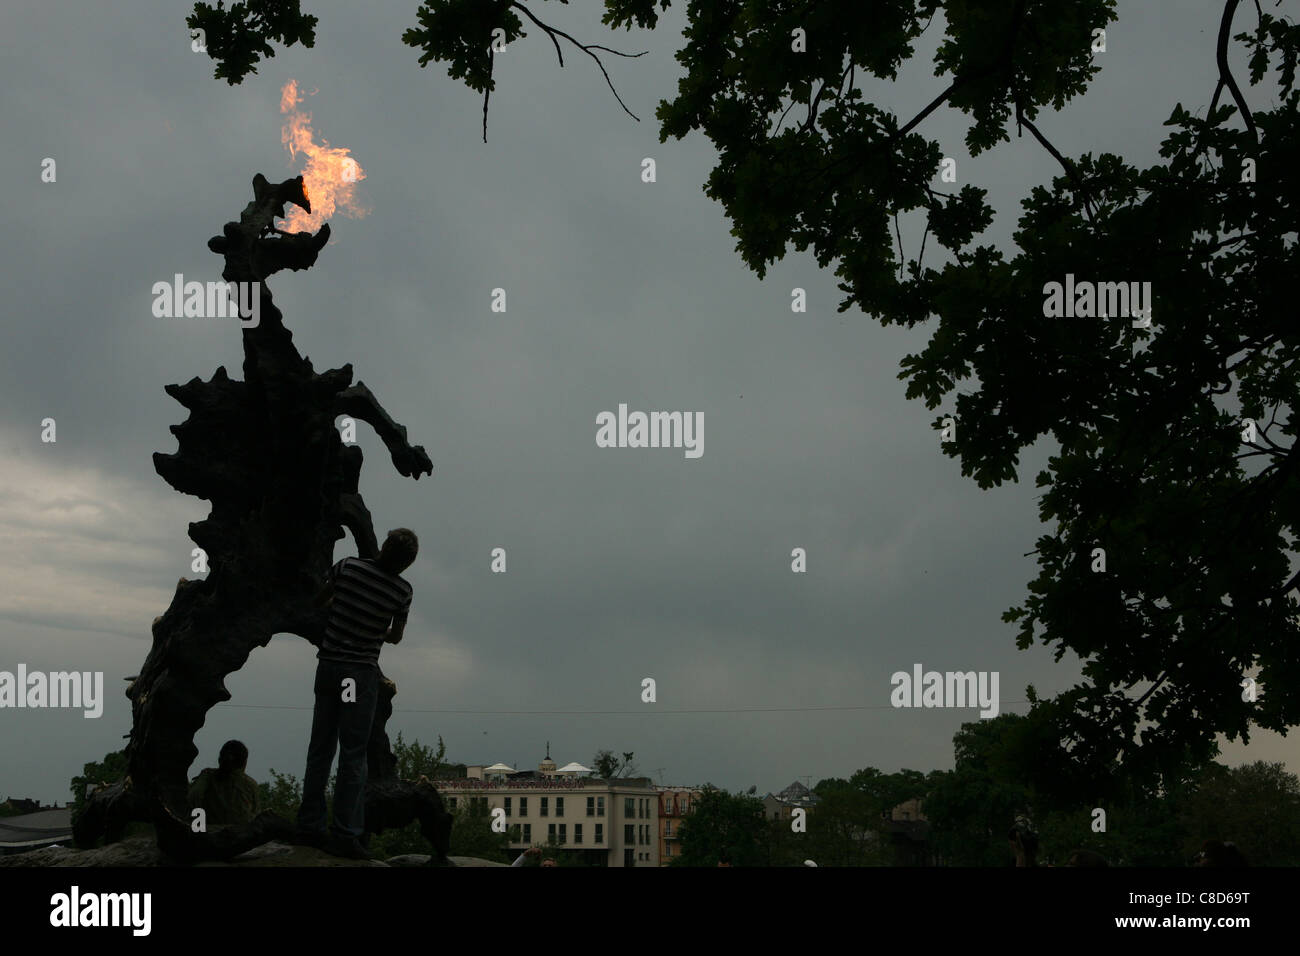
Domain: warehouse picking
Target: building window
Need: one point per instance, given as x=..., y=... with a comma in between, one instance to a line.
x=668, y=829
x=559, y=806
x=550, y=833
x=629, y=807
x=515, y=833
x=670, y=806
x=546, y=806
x=508, y=801
x=451, y=803
x=600, y=806
x=600, y=833
x=668, y=851
x=627, y=833
x=577, y=833
x=528, y=833
x=523, y=806
x=564, y=836
x=591, y=806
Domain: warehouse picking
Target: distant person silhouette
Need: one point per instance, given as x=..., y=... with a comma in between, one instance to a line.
x=1024, y=844
x=368, y=603
x=225, y=792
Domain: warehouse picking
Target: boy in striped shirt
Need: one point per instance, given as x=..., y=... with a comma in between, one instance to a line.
x=368, y=602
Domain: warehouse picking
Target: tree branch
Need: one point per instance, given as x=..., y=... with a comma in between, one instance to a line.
x=1225, y=73
x=901, y=257
x=487, y=91
x=586, y=48
x=1290, y=585
x=902, y=131
x=1068, y=166
x=812, y=110
x=784, y=114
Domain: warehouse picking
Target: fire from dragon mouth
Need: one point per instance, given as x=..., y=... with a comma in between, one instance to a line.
x=330, y=176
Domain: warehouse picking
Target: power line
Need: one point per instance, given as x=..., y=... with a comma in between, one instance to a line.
x=629, y=713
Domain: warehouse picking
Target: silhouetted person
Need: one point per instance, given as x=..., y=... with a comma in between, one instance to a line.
x=368, y=604
x=1024, y=845
x=224, y=792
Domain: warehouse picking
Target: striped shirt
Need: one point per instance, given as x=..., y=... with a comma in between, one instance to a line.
x=366, y=598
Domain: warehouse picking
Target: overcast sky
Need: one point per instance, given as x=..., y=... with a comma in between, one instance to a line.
x=621, y=564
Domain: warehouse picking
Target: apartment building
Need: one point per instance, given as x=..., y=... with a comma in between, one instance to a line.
x=674, y=804
x=598, y=822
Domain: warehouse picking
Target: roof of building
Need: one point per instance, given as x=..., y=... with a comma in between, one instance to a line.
x=796, y=794
x=36, y=829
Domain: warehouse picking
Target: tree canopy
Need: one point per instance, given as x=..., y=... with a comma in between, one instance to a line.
x=723, y=827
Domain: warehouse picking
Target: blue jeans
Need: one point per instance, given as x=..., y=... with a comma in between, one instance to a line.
x=347, y=724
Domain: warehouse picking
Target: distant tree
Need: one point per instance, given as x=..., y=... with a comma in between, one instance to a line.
x=887, y=790
x=471, y=835
x=844, y=828
x=415, y=760
x=972, y=807
x=1145, y=832
x=849, y=825
x=1009, y=767
x=282, y=794
x=1256, y=806
x=609, y=766
x=109, y=770
x=723, y=824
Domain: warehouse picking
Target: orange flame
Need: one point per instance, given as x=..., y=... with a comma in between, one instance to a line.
x=331, y=175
